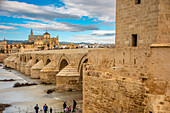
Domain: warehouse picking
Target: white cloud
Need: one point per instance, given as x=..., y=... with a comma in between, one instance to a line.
x=3, y=27
x=16, y=8
x=55, y=26
x=99, y=9
x=108, y=40
x=100, y=36
x=98, y=33
x=104, y=10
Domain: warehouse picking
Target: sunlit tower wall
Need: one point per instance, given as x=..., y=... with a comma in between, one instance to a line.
x=140, y=23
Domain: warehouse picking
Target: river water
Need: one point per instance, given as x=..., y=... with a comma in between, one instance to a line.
x=23, y=99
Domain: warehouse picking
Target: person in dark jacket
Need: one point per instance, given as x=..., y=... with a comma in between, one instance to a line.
x=51, y=110
x=74, y=105
x=36, y=108
x=45, y=108
x=64, y=106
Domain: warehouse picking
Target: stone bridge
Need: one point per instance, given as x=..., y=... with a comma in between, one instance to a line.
x=61, y=67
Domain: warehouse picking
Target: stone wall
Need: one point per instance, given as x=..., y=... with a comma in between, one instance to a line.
x=66, y=83
x=2, y=57
x=134, y=18
x=164, y=22
x=127, y=80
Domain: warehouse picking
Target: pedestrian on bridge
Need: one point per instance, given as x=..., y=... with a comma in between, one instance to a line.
x=36, y=108
x=64, y=106
x=45, y=108
x=74, y=105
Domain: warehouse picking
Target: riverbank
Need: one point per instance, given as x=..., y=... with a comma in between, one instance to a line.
x=23, y=99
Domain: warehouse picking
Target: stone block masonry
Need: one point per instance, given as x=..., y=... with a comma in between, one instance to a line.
x=134, y=80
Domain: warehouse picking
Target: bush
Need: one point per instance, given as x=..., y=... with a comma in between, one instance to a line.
x=70, y=89
x=50, y=91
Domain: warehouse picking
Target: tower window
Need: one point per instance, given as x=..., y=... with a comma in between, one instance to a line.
x=137, y=1
x=123, y=61
x=134, y=40
x=134, y=61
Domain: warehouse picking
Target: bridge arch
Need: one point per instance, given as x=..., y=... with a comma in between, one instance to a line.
x=47, y=61
x=83, y=60
x=36, y=61
x=63, y=62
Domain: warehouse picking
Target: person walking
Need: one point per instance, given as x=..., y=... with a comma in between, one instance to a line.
x=74, y=105
x=51, y=110
x=64, y=106
x=69, y=108
x=36, y=108
x=45, y=108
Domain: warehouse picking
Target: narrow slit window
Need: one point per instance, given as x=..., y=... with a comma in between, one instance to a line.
x=134, y=40
x=134, y=61
x=123, y=61
x=137, y=1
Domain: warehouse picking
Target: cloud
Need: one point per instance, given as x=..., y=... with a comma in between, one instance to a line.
x=100, y=36
x=3, y=27
x=55, y=26
x=98, y=33
x=9, y=32
x=108, y=40
x=21, y=9
x=103, y=10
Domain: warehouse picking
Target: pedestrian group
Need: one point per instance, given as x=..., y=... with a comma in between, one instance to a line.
x=65, y=108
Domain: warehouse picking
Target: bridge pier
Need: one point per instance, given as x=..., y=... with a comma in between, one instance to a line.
x=68, y=78
x=11, y=62
x=7, y=61
x=19, y=65
x=28, y=66
x=48, y=73
x=22, y=69
x=35, y=70
x=15, y=63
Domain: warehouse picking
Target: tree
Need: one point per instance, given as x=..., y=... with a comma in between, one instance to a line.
x=43, y=47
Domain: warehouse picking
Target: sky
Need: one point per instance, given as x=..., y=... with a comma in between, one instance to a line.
x=90, y=21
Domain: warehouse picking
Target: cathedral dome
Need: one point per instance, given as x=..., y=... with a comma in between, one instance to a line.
x=46, y=33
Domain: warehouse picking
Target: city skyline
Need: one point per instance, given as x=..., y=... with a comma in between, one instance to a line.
x=72, y=20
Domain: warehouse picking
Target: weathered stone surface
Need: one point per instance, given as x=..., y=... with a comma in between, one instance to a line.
x=35, y=70
x=23, y=67
x=28, y=66
x=48, y=73
x=134, y=76
x=68, y=78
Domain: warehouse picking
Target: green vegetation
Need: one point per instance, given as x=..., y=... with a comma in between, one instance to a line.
x=70, y=89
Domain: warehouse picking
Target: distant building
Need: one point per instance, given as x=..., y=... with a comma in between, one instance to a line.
x=4, y=42
x=43, y=40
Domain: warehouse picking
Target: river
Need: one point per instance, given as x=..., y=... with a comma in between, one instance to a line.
x=23, y=99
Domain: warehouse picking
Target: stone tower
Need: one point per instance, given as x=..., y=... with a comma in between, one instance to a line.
x=140, y=23
x=31, y=32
